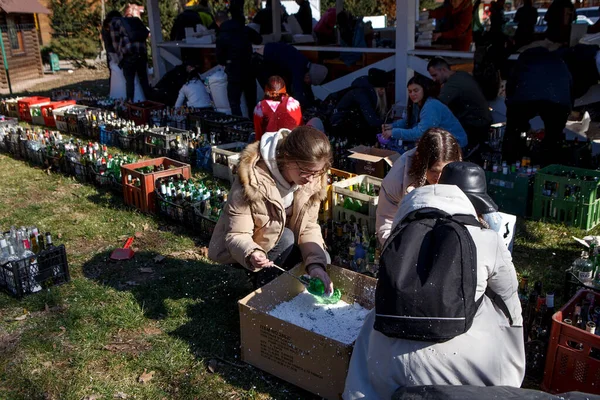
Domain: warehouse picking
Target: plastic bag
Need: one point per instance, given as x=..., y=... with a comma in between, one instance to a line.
x=117, y=84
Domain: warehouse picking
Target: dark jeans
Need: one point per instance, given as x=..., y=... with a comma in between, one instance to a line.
x=235, y=88
x=517, y=121
x=132, y=65
x=285, y=254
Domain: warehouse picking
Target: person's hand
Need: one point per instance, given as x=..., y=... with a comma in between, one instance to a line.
x=386, y=133
x=386, y=127
x=258, y=260
x=436, y=36
x=319, y=272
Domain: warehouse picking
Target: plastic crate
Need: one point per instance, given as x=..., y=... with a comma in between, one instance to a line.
x=23, y=149
x=513, y=192
x=217, y=127
x=101, y=179
x=34, y=155
x=24, y=105
x=143, y=196
x=567, y=195
x=76, y=120
x=140, y=112
x=10, y=107
x=108, y=136
x=326, y=207
x=573, y=357
x=33, y=274
x=179, y=213
x=37, y=117
x=76, y=168
x=239, y=132
x=368, y=212
x=132, y=142
x=196, y=119
x=8, y=122
x=203, y=226
x=225, y=158
x=157, y=141
x=48, y=111
x=54, y=162
x=60, y=119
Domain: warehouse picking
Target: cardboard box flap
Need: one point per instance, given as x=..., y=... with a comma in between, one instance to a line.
x=373, y=154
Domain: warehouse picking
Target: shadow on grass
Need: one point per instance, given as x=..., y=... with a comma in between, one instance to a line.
x=197, y=303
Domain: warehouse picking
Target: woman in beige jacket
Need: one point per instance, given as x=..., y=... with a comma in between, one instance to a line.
x=273, y=206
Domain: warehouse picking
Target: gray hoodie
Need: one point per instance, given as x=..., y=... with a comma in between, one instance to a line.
x=491, y=353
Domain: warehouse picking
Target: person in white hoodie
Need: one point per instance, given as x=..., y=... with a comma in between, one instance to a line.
x=417, y=167
x=490, y=353
x=273, y=206
x=193, y=93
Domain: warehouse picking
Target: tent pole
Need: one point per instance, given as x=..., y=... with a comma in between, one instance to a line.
x=5, y=62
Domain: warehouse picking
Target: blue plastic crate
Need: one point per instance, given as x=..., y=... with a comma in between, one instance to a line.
x=108, y=137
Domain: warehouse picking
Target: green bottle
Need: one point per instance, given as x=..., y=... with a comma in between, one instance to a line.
x=316, y=287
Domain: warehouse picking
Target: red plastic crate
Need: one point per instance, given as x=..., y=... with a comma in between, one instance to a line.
x=573, y=358
x=140, y=112
x=47, y=111
x=24, y=104
x=143, y=197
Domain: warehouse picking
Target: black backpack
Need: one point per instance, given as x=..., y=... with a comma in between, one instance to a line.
x=428, y=277
x=136, y=30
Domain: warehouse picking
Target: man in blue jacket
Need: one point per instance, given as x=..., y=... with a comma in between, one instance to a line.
x=299, y=74
x=540, y=84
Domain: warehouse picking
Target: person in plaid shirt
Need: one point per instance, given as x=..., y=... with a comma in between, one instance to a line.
x=129, y=41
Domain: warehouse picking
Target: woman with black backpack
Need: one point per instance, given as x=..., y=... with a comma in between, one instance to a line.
x=447, y=311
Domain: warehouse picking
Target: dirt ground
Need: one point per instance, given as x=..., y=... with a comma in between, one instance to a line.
x=92, y=79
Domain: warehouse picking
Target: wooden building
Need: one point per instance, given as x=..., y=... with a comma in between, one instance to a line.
x=20, y=40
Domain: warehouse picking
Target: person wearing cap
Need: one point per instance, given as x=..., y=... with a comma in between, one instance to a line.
x=278, y=110
x=363, y=107
x=490, y=353
x=296, y=70
x=470, y=178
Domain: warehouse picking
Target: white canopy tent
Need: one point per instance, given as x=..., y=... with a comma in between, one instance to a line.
x=405, y=59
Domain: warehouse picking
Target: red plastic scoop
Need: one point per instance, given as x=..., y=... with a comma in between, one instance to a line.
x=123, y=254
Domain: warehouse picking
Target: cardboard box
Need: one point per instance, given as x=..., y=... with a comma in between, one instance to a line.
x=301, y=357
x=373, y=161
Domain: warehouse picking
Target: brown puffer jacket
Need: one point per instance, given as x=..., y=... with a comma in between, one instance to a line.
x=254, y=216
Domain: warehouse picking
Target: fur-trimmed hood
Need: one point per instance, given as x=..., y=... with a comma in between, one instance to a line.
x=254, y=177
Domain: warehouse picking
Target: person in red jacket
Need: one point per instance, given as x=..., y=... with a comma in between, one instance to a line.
x=278, y=110
x=457, y=26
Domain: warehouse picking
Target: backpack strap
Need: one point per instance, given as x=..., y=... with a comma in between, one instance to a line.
x=497, y=300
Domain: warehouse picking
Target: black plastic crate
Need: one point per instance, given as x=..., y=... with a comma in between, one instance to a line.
x=239, y=132
x=33, y=274
x=196, y=119
x=217, y=127
x=133, y=143
x=76, y=168
x=180, y=213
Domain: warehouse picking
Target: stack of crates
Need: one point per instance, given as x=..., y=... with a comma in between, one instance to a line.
x=48, y=114
x=12, y=107
x=24, y=106
x=349, y=204
x=141, y=112
x=567, y=195
x=37, y=116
